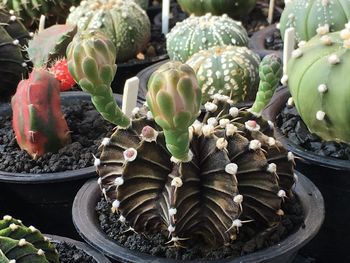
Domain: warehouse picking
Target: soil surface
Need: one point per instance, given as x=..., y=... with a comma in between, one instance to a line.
x=87, y=130
x=249, y=239
x=69, y=253
x=295, y=129
x=274, y=41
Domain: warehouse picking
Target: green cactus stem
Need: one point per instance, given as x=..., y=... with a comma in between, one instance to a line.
x=270, y=73
x=91, y=62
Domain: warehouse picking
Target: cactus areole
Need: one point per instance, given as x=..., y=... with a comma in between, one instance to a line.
x=38, y=121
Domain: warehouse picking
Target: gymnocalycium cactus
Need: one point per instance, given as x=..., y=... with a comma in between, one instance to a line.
x=91, y=61
x=227, y=70
x=233, y=8
x=311, y=17
x=200, y=33
x=124, y=22
x=237, y=173
x=38, y=121
x=19, y=243
x=318, y=79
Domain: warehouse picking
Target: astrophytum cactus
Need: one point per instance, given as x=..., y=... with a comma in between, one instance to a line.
x=19, y=243
x=227, y=70
x=236, y=174
x=318, y=79
x=91, y=62
x=38, y=121
x=200, y=33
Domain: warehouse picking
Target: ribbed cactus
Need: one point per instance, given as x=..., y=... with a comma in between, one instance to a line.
x=238, y=174
x=311, y=17
x=227, y=70
x=13, y=36
x=124, y=22
x=38, y=121
x=19, y=243
x=91, y=62
x=233, y=8
x=200, y=33
x=319, y=80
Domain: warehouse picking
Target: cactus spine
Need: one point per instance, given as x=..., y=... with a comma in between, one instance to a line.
x=200, y=33
x=227, y=70
x=38, y=121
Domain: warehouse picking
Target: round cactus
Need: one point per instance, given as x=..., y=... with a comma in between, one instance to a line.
x=310, y=17
x=233, y=8
x=200, y=33
x=227, y=70
x=124, y=22
x=318, y=79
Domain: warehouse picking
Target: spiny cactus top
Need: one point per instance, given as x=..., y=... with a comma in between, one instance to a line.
x=199, y=33
x=311, y=17
x=227, y=70
x=124, y=22
x=19, y=243
x=318, y=78
x=233, y=8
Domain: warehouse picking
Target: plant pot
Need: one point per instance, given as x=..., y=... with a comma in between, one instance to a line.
x=49, y=195
x=87, y=225
x=332, y=177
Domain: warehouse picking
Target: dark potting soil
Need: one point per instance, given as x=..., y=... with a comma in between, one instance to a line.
x=69, y=253
x=249, y=239
x=87, y=127
x=295, y=129
x=274, y=41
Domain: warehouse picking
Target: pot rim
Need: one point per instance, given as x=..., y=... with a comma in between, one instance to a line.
x=86, y=224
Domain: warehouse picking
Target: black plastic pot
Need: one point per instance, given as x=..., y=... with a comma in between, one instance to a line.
x=86, y=222
x=44, y=199
x=332, y=177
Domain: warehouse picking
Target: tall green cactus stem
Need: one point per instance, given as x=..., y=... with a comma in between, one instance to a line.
x=91, y=62
x=200, y=33
x=19, y=243
x=174, y=99
x=311, y=17
x=270, y=73
x=233, y=8
x=227, y=70
x=319, y=81
x=124, y=22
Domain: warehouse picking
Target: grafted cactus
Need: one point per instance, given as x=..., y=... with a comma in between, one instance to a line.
x=318, y=78
x=227, y=70
x=311, y=17
x=124, y=22
x=238, y=174
x=200, y=33
x=233, y=8
x=19, y=243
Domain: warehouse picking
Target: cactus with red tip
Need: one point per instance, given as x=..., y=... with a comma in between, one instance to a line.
x=38, y=121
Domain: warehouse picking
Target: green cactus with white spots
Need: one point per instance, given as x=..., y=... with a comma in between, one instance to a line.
x=91, y=62
x=200, y=33
x=19, y=243
x=318, y=79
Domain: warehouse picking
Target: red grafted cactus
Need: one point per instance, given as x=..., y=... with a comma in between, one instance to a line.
x=60, y=70
x=38, y=121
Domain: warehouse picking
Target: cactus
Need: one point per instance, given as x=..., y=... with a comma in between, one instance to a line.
x=318, y=77
x=200, y=33
x=142, y=3
x=227, y=70
x=91, y=62
x=233, y=8
x=38, y=122
x=13, y=36
x=19, y=243
x=311, y=17
x=124, y=22
x=237, y=173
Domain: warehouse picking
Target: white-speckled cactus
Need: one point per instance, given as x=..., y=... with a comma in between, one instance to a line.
x=200, y=33
x=124, y=22
x=311, y=17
